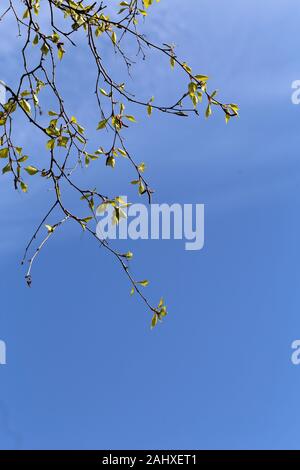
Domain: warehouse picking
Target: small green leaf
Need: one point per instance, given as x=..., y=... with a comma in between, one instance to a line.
x=49, y=228
x=103, y=92
x=4, y=153
x=87, y=219
x=234, y=108
x=45, y=49
x=130, y=118
x=154, y=321
x=24, y=187
x=6, y=169
x=114, y=38
x=110, y=161
x=142, y=167
x=142, y=188
x=26, y=106
x=23, y=159
x=208, y=111
x=36, y=39
x=50, y=144
x=147, y=3
x=122, y=152
x=201, y=78
x=143, y=283
x=60, y=51
x=102, y=124
x=31, y=170
x=62, y=141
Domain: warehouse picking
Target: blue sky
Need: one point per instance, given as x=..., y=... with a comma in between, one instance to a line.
x=84, y=370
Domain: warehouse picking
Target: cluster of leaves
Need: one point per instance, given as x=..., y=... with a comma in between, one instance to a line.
x=65, y=139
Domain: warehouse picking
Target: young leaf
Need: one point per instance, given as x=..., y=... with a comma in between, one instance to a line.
x=49, y=228
x=144, y=283
x=26, y=106
x=114, y=38
x=154, y=321
x=4, y=153
x=102, y=124
x=130, y=118
x=45, y=49
x=6, y=169
x=31, y=170
x=24, y=187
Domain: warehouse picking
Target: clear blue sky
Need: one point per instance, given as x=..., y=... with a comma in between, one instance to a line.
x=84, y=370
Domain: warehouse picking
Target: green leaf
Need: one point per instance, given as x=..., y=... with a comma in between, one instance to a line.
x=36, y=39
x=201, y=78
x=50, y=144
x=24, y=187
x=6, y=169
x=142, y=188
x=103, y=92
x=45, y=49
x=143, y=12
x=62, y=141
x=4, y=153
x=142, y=167
x=130, y=118
x=114, y=38
x=31, y=170
x=87, y=219
x=143, y=283
x=60, y=52
x=208, y=111
x=110, y=161
x=163, y=311
x=23, y=159
x=186, y=67
x=234, y=108
x=102, y=124
x=154, y=321
x=122, y=152
x=49, y=228
x=26, y=106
